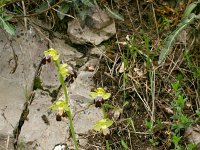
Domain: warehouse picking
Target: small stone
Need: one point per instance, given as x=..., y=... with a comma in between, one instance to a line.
x=83, y=142
x=98, y=51
x=79, y=35
x=97, y=18
x=193, y=134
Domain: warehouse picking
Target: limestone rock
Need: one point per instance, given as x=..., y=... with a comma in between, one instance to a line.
x=97, y=18
x=6, y=142
x=193, y=135
x=79, y=35
x=41, y=132
x=98, y=51
x=20, y=56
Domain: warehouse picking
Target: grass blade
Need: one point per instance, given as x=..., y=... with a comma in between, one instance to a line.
x=114, y=15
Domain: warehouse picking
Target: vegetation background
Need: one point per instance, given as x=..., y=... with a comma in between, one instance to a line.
x=151, y=67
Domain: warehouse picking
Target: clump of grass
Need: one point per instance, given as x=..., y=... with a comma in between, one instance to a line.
x=180, y=121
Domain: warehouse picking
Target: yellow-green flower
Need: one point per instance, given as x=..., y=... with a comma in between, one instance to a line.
x=102, y=124
x=99, y=96
x=51, y=52
x=64, y=71
x=60, y=105
x=100, y=92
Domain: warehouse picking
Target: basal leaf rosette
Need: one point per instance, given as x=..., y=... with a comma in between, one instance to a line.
x=99, y=96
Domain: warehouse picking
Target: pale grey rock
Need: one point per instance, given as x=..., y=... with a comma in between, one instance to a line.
x=16, y=85
x=98, y=51
x=97, y=18
x=6, y=142
x=193, y=135
x=35, y=132
x=38, y=135
x=83, y=142
x=79, y=35
x=85, y=120
x=92, y=62
x=16, y=78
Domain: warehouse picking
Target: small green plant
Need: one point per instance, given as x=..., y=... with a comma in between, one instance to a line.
x=62, y=106
x=179, y=120
x=3, y=2
x=81, y=7
x=4, y=20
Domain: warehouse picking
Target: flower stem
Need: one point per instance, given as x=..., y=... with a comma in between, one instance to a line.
x=107, y=145
x=67, y=102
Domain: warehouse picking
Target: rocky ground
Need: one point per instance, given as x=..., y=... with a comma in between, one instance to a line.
x=105, y=53
x=28, y=88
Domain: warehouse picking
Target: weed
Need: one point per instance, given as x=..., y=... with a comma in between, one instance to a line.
x=180, y=121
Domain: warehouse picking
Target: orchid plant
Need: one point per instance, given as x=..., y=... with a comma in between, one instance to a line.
x=102, y=125
x=61, y=106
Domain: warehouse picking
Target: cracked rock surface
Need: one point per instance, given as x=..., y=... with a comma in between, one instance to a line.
x=19, y=56
x=20, y=64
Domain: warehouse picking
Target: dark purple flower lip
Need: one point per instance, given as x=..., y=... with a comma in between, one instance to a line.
x=71, y=71
x=60, y=114
x=98, y=101
x=46, y=59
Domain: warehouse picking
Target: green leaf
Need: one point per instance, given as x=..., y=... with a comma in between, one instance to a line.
x=7, y=18
x=44, y=6
x=82, y=14
x=191, y=146
x=198, y=112
x=124, y=145
x=63, y=9
x=169, y=41
x=125, y=103
x=176, y=139
x=189, y=9
x=87, y=3
x=2, y=2
x=7, y=26
x=114, y=15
